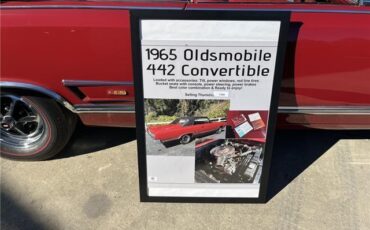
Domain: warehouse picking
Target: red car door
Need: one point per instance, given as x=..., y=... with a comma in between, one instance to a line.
x=203, y=125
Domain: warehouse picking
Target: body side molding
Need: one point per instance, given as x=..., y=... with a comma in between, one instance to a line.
x=78, y=83
x=325, y=110
x=130, y=108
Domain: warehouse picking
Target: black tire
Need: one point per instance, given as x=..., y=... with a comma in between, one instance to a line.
x=185, y=139
x=54, y=127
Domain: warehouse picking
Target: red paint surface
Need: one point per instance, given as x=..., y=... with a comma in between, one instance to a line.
x=46, y=46
x=108, y=119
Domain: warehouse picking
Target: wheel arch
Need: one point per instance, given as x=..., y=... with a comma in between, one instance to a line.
x=189, y=134
x=36, y=89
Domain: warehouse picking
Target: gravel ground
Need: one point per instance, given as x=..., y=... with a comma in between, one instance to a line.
x=320, y=180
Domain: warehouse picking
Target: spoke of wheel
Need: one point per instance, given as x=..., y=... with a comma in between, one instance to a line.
x=19, y=131
x=11, y=108
x=30, y=118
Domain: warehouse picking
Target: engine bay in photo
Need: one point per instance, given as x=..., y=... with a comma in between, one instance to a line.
x=228, y=161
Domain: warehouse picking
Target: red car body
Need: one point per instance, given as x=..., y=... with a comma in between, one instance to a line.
x=79, y=53
x=171, y=132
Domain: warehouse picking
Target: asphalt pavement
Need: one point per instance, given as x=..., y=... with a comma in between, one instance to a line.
x=319, y=180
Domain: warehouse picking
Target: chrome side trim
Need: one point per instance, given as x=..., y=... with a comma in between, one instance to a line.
x=180, y=8
x=130, y=108
x=325, y=110
x=39, y=89
x=308, y=110
x=82, y=83
x=105, y=108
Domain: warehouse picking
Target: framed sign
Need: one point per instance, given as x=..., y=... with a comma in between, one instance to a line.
x=207, y=86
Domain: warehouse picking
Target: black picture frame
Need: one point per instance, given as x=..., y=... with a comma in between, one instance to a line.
x=135, y=17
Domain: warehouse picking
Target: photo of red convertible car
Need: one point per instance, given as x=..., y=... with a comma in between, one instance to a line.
x=185, y=129
x=70, y=61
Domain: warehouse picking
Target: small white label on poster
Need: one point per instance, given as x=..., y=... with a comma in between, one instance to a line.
x=224, y=94
x=243, y=129
x=254, y=117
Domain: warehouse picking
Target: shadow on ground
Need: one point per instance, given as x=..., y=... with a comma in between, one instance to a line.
x=91, y=139
x=15, y=216
x=296, y=150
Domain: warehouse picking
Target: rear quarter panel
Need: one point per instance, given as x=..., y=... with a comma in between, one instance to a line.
x=45, y=47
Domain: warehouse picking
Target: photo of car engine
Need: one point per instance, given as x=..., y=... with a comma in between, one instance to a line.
x=228, y=161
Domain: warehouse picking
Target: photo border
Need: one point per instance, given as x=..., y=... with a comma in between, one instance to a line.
x=250, y=15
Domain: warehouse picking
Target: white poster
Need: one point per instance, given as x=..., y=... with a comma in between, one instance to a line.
x=206, y=88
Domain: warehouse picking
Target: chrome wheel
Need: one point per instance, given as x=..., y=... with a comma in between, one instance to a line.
x=21, y=125
x=185, y=139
